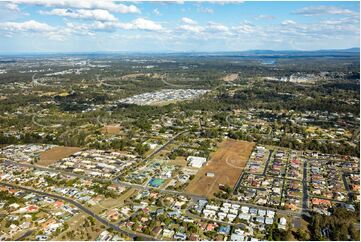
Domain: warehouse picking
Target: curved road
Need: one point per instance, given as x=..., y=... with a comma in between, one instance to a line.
x=84, y=209
x=144, y=187
x=44, y=126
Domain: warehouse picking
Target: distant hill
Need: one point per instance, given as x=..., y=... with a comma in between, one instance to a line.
x=249, y=53
x=281, y=53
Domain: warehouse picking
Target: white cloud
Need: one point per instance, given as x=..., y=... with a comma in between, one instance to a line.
x=112, y=6
x=156, y=12
x=189, y=21
x=144, y=24
x=320, y=10
x=204, y=10
x=244, y=28
x=12, y=6
x=264, y=16
x=137, y=24
x=95, y=14
x=30, y=25
x=226, y=2
x=288, y=22
x=191, y=28
x=216, y=27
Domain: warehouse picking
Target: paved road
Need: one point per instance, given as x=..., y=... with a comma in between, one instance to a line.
x=232, y=124
x=26, y=234
x=53, y=170
x=284, y=180
x=305, y=187
x=267, y=162
x=164, y=145
x=174, y=85
x=144, y=187
x=347, y=187
x=84, y=209
x=42, y=125
x=238, y=183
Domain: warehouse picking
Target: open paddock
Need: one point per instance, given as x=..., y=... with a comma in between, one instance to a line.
x=111, y=129
x=54, y=154
x=227, y=163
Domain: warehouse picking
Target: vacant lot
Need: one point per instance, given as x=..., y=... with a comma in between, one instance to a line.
x=179, y=161
x=230, y=77
x=111, y=129
x=135, y=75
x=48, y=157
x=226, y=163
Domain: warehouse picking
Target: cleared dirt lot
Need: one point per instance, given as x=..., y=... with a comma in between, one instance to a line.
x=179, y=161
x=230, y=77
x=226, y=163
x=111, y=129
x=48, y=157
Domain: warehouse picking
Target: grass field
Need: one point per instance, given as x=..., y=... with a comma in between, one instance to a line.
x=48, y=157
x=226, y=163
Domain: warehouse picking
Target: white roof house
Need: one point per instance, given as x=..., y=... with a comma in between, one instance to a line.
x=212, y=207
x=168, y=233
x=245, y=209
x=245, y=216
x=236, y=206
x=225, y=210
x=261, y=212
x=231, y=217
x=269, y=220
x=221, y=215
x=208, y=213
x=227, y=205
x=270, y=213
x=237, y=237
x=282, y=224
x=233, y=211
x=283, y=221
x=260, y=219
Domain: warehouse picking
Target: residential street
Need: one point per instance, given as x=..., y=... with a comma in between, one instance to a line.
x=84, y=209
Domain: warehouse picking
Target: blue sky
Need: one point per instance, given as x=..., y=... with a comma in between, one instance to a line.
x=105, y=25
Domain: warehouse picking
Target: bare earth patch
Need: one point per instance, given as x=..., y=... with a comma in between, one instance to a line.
x=50, y=156
x=230, y=77
x=179, y=161
x=226, y=163
x=134, y=75
x=111, y=129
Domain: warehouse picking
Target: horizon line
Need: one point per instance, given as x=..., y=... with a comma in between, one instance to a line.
x=167, y=52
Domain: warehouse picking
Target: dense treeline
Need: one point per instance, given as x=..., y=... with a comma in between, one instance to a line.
x=340, y=226
x=293, y=97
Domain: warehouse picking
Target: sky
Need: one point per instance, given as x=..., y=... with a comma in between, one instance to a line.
x=182, y=26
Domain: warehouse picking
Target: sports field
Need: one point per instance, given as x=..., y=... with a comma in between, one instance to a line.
x=226, y=163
